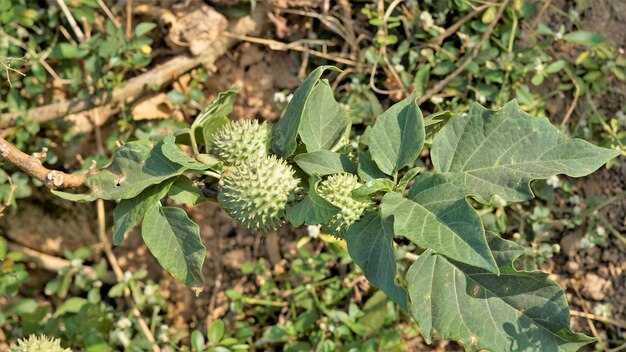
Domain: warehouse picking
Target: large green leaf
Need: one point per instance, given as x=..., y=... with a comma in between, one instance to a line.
x=174, y=240
x=211, y=127
x=285, y=131
x=175, y=154
x=515, y=311
x=129, y=212
x=221, y=106
x=134, y=167
x=444, y=221
x=184, y=191
x=324, y=121
x=325, y=162
x=397, y=136
x=498, y=152
x=313, y=209
x=367, y=169
x=370, y=246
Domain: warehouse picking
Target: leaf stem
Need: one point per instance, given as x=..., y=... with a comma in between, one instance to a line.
x=194, y=144
x=213, y=174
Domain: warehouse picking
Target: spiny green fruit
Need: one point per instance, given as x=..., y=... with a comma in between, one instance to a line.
x=241, y=141
x=337, y=189
x=41, y=343
x=256, y=193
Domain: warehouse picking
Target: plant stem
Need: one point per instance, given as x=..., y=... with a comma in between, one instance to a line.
x=194, y=144
x=213, y=174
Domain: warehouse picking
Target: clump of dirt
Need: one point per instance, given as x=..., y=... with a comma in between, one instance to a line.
x=260, y=73
x=51, y=225
x=595, y=277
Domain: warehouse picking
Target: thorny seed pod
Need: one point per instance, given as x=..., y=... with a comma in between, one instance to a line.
x=241, y=141
x=337, y=189
x=41, y=343
x=256, y=193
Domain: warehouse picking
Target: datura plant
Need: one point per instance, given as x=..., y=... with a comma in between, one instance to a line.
x=464, y=284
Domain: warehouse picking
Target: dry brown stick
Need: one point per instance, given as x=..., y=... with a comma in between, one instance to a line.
x=616, y=322
x=136, y=86
x=52, y=263
x=468, y=59
x=68, y=15
x=119, y=275
x=583, y=305
x=455, y=27
x=276, y=45
x=32, y=167
x=571, y=108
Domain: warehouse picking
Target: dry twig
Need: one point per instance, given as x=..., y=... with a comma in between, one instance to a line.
x=54, y=264
x=32, y=166
x=616, y=322
x=68, y=15
x=468, y=58
x=276, y=45
x=136, y=86
x=455, y=27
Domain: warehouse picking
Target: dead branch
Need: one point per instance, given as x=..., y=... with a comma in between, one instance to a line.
x=32, y=166
x=146, y=82
x=52, y=263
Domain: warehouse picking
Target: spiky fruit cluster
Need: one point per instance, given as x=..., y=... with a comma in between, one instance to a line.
x=40, y=343
x=256, y=193
x=337, y=189
x=241, y=141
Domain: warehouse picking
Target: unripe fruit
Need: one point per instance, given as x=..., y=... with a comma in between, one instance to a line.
x=41, y=343
x=241, y=141
x=256, y=193
x=337, y=189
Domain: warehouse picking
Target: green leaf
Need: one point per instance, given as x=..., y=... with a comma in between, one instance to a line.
x=498, y=152
x=325, y=162
x=323, y=120
x=176, y=97
x=130, y=212
x=584, y=38
x=375, y=310
x=197, y=341
x=367, y=169
x=134, y=167
x=143, y=28
x=397, y=136
x=175, y=154
x=515, y=311
x=222, y=105
x=70, y=305
x=211, y=126
x=489, y=15
x=313, y=209
x=555, y=66
x=434, y=122
x=373, y=186
x=370, y=246
x=285, y=131
x=408, y=176
x=174, y=240
x=216, y=331
x=443, y=221
x=184, y=191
